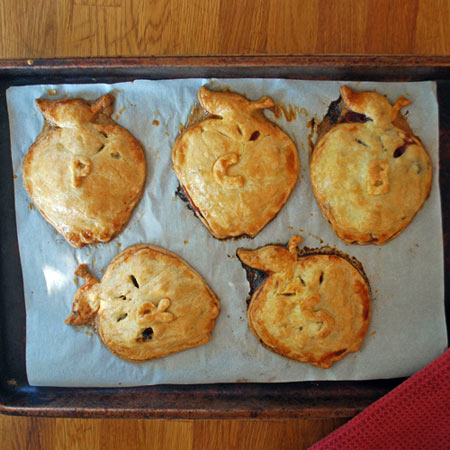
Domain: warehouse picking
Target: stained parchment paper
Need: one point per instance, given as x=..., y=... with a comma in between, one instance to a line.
x=408, y=322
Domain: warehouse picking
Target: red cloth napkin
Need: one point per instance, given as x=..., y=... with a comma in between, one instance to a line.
x=415, y=415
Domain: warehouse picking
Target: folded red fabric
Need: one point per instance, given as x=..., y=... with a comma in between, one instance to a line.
x=415, y=415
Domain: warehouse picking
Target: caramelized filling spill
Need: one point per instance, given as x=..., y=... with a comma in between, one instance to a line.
x=334, y=111
x=182, y=195
x=255, y=278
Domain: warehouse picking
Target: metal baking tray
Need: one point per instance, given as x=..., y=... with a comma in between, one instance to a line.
x=237, y=400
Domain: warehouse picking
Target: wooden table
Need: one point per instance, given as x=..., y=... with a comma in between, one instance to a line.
x=43, y=29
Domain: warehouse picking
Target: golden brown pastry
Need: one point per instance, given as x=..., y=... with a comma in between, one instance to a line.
x=149, y=303
x=369, y=173
x=84, y=172
x=236, y=168
x=313, y=307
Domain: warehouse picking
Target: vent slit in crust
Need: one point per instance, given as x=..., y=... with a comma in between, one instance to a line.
x=134, y=281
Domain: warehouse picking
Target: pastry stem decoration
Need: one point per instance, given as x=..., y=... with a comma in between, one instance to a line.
x=311, y=306
x=84, y=307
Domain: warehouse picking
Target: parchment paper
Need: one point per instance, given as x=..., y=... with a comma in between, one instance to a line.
x=408, y=326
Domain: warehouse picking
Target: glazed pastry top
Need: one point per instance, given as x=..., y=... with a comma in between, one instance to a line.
x=149, y=303
x=370, y=175
x=236, y=167
x=84, y=172
x=313, y=308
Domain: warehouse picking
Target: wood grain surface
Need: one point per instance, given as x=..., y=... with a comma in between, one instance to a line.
x=115, y=434
x=46, y=29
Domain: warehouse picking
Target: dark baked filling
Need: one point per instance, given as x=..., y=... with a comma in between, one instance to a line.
x=182, y=195
x=254, y=136
x=402, y=149
x=306, y=251
x=352, y=116
x=399, y=151
x=257, y=277
x=146, y=335
x=334, y=111
x=338, y=112
x=134, y=281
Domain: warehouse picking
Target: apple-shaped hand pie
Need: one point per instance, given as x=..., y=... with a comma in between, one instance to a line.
x=149, y=304
x=84, y=172
x=236, y=168
x=369, y=173
x=313, y=306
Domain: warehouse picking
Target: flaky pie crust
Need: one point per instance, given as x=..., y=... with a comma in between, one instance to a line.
x=149, y=304
x=84, y=172
x=236, y=167
x=313, y=308
x=372, y=176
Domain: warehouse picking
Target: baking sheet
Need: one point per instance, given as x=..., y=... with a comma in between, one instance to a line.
x=408, y=321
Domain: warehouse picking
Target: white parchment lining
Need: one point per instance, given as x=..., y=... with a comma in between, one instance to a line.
x=407, y=278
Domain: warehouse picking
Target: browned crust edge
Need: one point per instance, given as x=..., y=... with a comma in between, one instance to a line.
x=327, y=360
x=123, y=256
x=196, y=117
x=77, y=239
x=355, y=237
